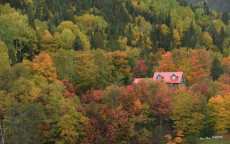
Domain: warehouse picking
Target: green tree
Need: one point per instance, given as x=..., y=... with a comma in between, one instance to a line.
x=18, y=36
x=68, y=38
x=23, y=122
x=86, y=70
x=50, y=43
x=69, y=122
x=63, y=61
x=77, y=45
x=4, y=57
x=216, y=69
x=225, y=18
x=104, y=71
x=121, y=70
x=9, y=76
x=98, y=41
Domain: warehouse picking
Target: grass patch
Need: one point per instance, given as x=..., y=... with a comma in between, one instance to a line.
x=214, y=141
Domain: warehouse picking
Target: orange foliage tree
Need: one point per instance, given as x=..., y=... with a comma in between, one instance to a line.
x=200, y=64
x=166, y=63
x=43, y=65
x=176, y=140
x=226, y=63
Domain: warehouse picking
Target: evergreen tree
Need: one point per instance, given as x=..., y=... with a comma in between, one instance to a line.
x=139, y=42
x=224, y=18
x=216, y=69
x=77, y=45
x=129, y=36
x=189, y=39
x=221, y=39
x=168, y=19
x=23, y=122
x=98, y=41
x=206, y=8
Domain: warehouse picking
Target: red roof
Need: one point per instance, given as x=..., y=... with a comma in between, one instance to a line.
x=167, y=76
x=136, y=80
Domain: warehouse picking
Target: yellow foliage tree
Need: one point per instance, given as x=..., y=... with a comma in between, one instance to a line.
x=207, y=40
x=4, y=57
x=187, y=112
x=71, y=27
x=86, y=70
x=220, y=113
x=176, y=37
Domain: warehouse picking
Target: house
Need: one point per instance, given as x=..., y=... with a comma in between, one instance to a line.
x=171, y=78
x=136, y=80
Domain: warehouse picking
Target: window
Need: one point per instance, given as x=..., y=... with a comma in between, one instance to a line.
x=173, y=77
x=159, y=77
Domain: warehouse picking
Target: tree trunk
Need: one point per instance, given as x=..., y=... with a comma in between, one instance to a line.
x=2, y=129
x=161, y=126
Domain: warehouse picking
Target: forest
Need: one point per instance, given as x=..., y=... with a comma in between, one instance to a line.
x=67, y=69
x=217, y=5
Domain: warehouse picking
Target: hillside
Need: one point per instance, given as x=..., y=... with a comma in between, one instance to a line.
x=69, y=69
x=216, y=5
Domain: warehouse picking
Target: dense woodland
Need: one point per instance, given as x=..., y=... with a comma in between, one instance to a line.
x=67, y=66
x=217, y=5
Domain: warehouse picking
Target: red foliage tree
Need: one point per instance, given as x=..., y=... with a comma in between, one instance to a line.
x=141, y=68
x=69, y=89
x=162, y=100
x=92, y=96
x=161, y=103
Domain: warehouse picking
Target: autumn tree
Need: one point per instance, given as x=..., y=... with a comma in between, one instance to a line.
x=69, y=122
x=89, y=23
x=50, y=43
x=104, y=71
x=86, y=70
x=4, y=62
x=176, y=37
x=207, y=40
x=68, y=38
x=220, y=113
x=187, y=113
x=69, y=89
x=226, y=64
x=201, y=63
x=69, y=31
x=181, y=58
x=141, y=68
x=166, y=63
x=43, y=65
x=121, y=66
x=161, y=103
